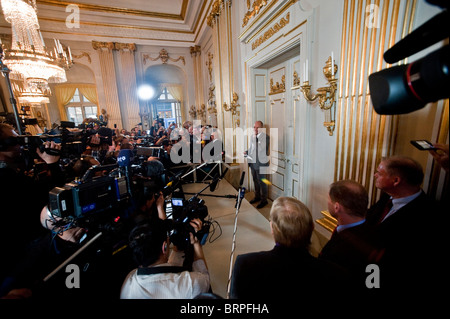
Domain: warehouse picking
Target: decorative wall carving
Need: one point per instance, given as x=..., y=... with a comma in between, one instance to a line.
x=201, y=113
x=193, y=112
x=270, y=32
x=209, y=65
x=296, y=81
x=195, y=50
x=278, y=87
x=83, y=54
x=125, y=46
x=164, y=57
x=255, y=8
x=103, y=45
x=216, y=10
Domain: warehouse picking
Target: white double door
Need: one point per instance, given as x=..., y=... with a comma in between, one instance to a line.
x=276, y=103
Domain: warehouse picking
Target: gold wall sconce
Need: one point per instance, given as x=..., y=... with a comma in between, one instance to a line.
x=233, y=108
x=325, y=95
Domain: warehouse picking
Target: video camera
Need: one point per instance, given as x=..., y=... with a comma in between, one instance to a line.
x=30, y=143
x=90, y=195
x=181, y=212
x=407, y=88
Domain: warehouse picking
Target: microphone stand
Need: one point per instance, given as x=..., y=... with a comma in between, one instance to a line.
x=233, y=247
x=79, y=251
x=217, y=179
x=193, y=170
x=212, y=195
x=196, y=194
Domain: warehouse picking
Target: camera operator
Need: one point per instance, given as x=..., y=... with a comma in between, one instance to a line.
x=156, y=277
x=149, y=205
x=165, y=156
x=25, y=193
x=99, y=144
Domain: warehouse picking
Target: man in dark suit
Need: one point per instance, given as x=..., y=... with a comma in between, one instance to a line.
x=258, y=161
x=288, y=271
x=350, y=245
x=406, y=223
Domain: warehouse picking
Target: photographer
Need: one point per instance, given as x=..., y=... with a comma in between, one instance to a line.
x=25, y=193
x=157, y=277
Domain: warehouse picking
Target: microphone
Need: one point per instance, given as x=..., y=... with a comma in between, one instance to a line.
x=240, y=196
x=172, y=184
x=242, y=179
x=213, y=185
x=175, y=179
x=424, y=36
x=124, y=158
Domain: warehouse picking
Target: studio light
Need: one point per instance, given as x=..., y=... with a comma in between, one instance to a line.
x=146, y=92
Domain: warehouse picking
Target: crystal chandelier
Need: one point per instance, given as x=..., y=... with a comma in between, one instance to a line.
x=28, y=58
x=31, y=91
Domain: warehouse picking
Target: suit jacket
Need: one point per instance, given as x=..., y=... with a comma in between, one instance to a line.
x=353, y=249
x=260, y=158
x=412, y=242
x=283, y=273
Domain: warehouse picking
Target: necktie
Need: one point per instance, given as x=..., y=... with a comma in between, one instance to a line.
x=386, y=210
x=257, y=159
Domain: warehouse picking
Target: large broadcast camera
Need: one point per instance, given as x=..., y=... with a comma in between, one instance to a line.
x=90, y=195
x=407, y=88
x=181, y=212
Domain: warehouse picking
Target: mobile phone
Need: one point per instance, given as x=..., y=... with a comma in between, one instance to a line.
x=423, y=145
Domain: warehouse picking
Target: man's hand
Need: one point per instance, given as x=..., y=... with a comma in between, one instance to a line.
x=160, y=206
x=197, y=225
x=49, y=159
x=198, y=251
x=441, y=155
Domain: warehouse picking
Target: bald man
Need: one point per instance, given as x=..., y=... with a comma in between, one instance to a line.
x=258, y=161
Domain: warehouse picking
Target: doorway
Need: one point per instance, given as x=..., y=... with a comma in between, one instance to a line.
x=276, y=103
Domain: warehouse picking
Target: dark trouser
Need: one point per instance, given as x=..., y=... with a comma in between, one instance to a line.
x=261, y=188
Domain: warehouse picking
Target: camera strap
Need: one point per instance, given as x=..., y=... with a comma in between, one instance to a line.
x=159, y=270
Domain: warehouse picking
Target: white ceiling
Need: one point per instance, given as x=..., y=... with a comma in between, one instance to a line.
x=151, y=22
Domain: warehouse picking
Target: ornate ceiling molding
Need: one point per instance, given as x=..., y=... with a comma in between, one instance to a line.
x=110, y=9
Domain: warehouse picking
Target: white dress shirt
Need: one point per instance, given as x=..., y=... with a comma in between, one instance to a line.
x=398, y=203
x=183, y=285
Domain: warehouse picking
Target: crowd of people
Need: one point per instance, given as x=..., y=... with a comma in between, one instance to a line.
x=398, y=233
x=190, y=140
